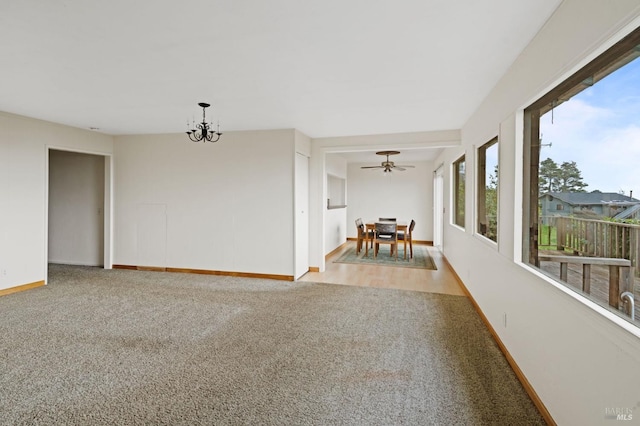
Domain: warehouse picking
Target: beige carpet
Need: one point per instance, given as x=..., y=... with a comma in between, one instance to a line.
x=99, y=347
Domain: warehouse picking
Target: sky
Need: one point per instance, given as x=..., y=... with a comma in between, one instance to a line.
x=599, y=129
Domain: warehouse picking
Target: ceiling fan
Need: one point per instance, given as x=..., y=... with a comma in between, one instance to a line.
x=387, y=165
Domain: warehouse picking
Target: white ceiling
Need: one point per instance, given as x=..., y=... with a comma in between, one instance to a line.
x=327, y=68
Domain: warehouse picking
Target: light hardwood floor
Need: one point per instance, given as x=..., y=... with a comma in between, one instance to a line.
x=441, y=281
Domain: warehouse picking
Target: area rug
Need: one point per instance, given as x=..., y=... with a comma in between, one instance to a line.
x=421, y=258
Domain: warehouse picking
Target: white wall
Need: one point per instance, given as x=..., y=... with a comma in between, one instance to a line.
x=404, y=195
x=76, y=206
x=335, y=223
x=24, y=144
x=579, y=360
x=226, y=206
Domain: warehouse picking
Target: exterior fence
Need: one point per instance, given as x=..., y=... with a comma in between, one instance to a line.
x=595, y=238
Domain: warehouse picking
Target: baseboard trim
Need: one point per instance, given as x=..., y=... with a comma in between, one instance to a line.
x=514, y=366
x=335, y=250
x=206, y=272
x=129, y=267
x=20, y=288
x=151, y=268
x=232, y=274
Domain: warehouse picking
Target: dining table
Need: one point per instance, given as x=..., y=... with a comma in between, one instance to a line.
x=370, y=225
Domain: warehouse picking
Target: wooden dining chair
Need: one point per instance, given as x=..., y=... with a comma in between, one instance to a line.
x=385, y=233
x=362, y=233
x=408, y=236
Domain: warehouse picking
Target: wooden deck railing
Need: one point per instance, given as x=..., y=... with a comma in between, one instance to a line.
x=597, y=238
x=620, y=279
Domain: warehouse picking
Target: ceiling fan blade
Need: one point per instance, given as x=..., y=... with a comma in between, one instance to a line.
x=388, y=165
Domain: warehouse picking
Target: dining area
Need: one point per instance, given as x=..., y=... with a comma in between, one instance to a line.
x=385, y=231
x=353, y=262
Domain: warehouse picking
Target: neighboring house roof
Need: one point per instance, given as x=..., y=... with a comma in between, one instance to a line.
x=593, y=198
x=627, y=213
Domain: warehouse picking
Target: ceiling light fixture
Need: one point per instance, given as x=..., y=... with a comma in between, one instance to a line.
x=387, y=166
x=203, y=131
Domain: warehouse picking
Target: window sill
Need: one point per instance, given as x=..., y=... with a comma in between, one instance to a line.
x=622, y=323
x=488, y=241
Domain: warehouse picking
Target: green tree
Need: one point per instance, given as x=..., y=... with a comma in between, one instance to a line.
x=570, y=178
x=548, y=176
x=565, y=177
x=491, y=204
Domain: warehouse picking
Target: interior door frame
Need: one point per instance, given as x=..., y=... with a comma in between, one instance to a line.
x=108, y=205
x=438, y=207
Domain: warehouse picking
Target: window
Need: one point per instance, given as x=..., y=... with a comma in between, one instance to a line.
x=488, y=190
x=582, y=144
x=458, y=196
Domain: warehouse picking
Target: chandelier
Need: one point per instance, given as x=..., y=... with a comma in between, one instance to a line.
x=203, y=131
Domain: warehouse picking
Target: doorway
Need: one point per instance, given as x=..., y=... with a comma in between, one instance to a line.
x=78, y=205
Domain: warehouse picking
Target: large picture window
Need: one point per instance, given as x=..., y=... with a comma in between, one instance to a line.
x=488, y=190
x=582, y=150
x=458, y=192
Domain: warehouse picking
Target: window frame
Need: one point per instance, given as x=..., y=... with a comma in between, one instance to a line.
x=458, y=208
x=612, y=59
x=481, y=189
